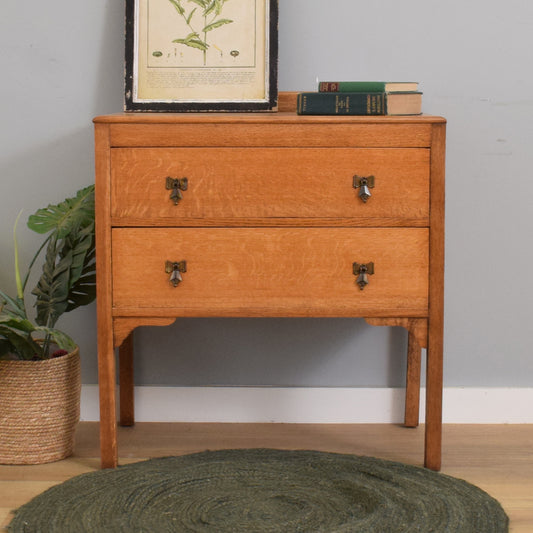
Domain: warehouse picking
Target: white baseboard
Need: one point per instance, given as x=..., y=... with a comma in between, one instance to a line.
x=315, y=405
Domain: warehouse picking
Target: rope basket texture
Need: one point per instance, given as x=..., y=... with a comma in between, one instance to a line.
x=39, y=409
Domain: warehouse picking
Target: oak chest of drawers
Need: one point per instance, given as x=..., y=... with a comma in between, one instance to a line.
x=268, y=215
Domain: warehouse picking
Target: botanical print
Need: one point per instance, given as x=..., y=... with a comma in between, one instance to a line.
x=208, y=17
x=201, y=50
x=202, y=33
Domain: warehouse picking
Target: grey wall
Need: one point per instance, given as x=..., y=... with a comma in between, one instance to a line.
x=61, y=64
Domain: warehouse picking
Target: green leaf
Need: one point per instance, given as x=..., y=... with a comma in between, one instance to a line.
x=52, y=289
x=178, y=7
x=193, y=43
x=217, y=24
x=69, y=263
x=190, y=16
x=83, y=292
x=69, y=283
x=16, y=323
x=66, y=217
x=82, y=247
x=210, y=8
x=18, y=279
x=82, y=279
x=201, y=3
x=15, y=305
x=6, y=348
x=63, y=341
x=192, y=35
x=22, y=344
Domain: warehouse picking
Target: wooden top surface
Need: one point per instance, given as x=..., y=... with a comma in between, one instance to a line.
x=286, y=114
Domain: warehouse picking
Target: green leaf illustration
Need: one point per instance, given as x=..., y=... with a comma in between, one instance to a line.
x=209, y=7
x=217, y=24
x=193, y=43
x=190, y=15
x=218, y=5
x=178, y=6
x=201, y=3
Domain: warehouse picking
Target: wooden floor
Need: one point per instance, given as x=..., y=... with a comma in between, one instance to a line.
x=496, y=458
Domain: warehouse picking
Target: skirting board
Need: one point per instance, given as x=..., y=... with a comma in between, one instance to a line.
x=315, y=405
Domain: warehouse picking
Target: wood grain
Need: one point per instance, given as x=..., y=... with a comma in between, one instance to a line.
x=123, y=327
x=288, y=101
x=270, y=226
x=259, y=133
x=280, y=271
x=126, y=382
x=416, y=326
x=106, y=356
x=412, y=380
x=237, y=183
x=434, y=367
x=335, y=222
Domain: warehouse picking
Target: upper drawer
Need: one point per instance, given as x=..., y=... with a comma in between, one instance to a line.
x=283, y=183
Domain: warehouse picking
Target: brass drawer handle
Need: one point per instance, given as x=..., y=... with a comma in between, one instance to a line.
x=362, y=271
x=175, y=268
x=364, y=184
x=176, y=185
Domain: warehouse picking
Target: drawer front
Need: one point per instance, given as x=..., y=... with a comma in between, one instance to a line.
x=269, y=182
x=270, y=271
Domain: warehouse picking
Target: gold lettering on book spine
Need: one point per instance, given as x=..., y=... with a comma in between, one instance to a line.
x=342, y=104
x=374, y=104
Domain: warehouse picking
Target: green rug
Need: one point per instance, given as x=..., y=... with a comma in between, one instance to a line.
x=249, y=491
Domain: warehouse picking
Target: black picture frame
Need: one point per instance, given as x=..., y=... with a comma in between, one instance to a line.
x=196, y=75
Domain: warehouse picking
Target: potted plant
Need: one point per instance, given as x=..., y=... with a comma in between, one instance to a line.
x=39, y=364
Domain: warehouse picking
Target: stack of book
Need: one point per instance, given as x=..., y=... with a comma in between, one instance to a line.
x=361, y=98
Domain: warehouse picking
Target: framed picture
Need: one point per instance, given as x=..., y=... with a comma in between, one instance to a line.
x=201, y=55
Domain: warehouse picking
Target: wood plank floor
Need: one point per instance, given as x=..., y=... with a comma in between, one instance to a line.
x=496, y=458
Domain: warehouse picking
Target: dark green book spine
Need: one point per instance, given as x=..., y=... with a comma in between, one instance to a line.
x=341, y=104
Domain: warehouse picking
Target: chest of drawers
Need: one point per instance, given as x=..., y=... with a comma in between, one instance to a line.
x=268, y=215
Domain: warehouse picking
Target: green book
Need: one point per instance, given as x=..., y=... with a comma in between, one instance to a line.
x=317, y=103
x=367, y=86
x=341, y=104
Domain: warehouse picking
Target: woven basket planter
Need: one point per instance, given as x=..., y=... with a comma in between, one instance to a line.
x=39, y=409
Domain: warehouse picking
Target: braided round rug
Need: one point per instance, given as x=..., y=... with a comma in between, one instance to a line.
x=261, y=490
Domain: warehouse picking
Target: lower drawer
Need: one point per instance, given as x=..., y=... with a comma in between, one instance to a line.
x=270, y=271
